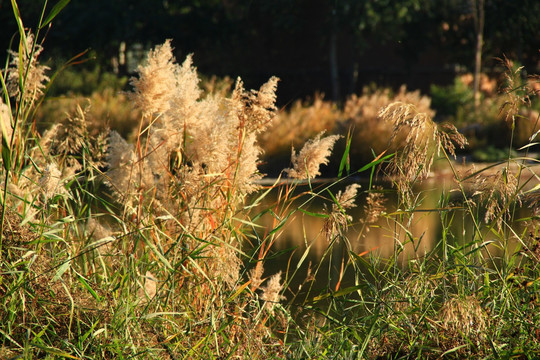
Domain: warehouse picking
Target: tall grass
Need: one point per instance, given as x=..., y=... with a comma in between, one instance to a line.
x=112, y=249
x=474, y=295
x=153, y=248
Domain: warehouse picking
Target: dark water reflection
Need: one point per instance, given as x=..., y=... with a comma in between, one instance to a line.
x=404, y=237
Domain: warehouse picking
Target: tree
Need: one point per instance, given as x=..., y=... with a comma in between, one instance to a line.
x=479, y=16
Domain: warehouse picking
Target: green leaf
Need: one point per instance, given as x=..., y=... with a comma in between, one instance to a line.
x=158, y=253
x=528, y=146
x=279, y=253
x=536, y=187
x=454, y=349
x=84, y=283
x=304, y=255
x=280, y=224
x=55, y=352
x=324, y=216
x=18, y=19
x=339, y=293
x=345, y=163
x=238, y=291
x=6, y=155
x=61, y=270
x=55, y=10
x=369, y=335
x=347, y=290
x=375, y=162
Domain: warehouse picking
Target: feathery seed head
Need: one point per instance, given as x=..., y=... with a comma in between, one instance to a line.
x=256, y=275
x=119, y=151
x=153, y=88
x=50, y=181
x=124, y=175
x=272, y=292
x=314, y=153
x=497, y=191
x=346, y=199
x=516, y=93
x=255, y=109
x=375, y=206
x=464, y=317
x=34, y=78
x=226, y=263
x=424, y=140
x=338, y=221
x=186, y=92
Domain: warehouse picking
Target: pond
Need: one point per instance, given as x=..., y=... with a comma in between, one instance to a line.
x=302, y=252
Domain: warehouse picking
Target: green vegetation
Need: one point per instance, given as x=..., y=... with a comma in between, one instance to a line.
x=153, y=247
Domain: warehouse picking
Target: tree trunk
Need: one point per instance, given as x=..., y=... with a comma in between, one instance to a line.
x=478, y=9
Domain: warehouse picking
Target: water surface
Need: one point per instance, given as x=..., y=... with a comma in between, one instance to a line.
x=404, y=236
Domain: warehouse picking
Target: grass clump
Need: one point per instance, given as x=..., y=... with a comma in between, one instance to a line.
x=133, y=249
x=469, y=295
x=154, y=247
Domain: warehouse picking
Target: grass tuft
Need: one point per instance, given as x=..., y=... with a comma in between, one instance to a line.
x=160, y=244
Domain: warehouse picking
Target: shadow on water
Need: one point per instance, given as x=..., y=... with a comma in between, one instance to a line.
x=312, y=265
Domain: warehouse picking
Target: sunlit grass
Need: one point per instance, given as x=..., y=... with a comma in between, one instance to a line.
x=155, y=248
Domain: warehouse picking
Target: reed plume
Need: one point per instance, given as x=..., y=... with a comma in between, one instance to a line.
x=271, y=293
x=375, y=206
x=424, y=141
x=51, y=181
x=152, y=89
x=25, y=76
x=337, y=222
x=315, y=153
x=196, y=160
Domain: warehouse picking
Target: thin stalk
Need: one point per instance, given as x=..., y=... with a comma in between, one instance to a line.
x=15, y=120
x=469, y=209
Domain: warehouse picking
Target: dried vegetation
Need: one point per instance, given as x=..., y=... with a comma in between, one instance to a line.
x=150, y=246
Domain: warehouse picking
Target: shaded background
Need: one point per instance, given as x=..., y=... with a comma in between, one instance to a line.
x=333, y=47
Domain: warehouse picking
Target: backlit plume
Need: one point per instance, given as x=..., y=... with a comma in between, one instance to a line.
x=315, y=153
x=152, y=90
x=34, y=78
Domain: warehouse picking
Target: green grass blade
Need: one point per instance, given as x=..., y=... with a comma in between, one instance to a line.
x=55, y=10
x=324, y=216
x=55, y=352
x=158, y=253
x=368, y=337
x=379, y=159
x=61, y=270
x=85, y=284
x=18, y=19
x=345, y=163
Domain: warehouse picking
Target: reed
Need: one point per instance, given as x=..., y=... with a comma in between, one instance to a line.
x=154, y=246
